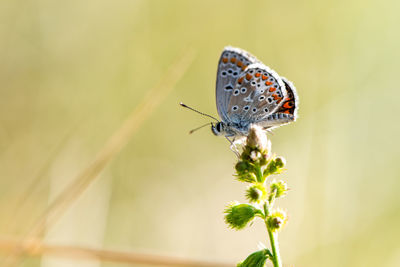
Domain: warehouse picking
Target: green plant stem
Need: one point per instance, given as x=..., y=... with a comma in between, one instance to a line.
x=273, y=238
x=259, y=174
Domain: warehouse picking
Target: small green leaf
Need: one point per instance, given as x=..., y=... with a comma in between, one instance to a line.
x=257, y=259
x=247, y=177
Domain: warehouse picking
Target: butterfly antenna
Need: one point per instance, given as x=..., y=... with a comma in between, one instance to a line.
x=201, y=113
x=198, y=128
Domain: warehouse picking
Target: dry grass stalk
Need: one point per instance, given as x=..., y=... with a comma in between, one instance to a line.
x=36, y=248
x=35, y=186
x=114, y=144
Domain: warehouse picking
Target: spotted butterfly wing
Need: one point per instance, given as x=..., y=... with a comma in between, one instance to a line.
x=258, y=93
x=287, y=112
x=232, y=64
x=291, y=102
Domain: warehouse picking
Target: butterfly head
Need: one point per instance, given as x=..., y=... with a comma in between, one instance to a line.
x=218, y=128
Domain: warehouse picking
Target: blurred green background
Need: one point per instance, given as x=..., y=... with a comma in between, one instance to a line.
x=72, y=71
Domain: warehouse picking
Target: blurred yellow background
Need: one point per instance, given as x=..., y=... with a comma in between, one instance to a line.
x=71, y=72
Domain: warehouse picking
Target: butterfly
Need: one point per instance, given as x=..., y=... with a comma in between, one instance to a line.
x=248, y=92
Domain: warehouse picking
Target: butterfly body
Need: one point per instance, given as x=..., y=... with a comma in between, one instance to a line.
x=231, y=129
x=248, y=92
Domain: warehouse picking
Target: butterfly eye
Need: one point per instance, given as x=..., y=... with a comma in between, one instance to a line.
x=243, y=90
x=218, y=126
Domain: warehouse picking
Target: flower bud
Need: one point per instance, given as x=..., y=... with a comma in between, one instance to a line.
x=280, y=188
x=242, y=167
x=276, y=220
x=238, y=215
x=257, y=138
x=256, y=193
x=280, y=162
x=255, y=155
x=244, y=172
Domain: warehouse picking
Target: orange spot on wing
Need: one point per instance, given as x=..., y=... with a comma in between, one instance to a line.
x=244, y=67
x=248, y=77
x=287, y=112
x=268, y=83
x=264, y=77
x=225, y=60
x=239, y=63
x=272, y=89
x=257, y=74
x=240, y=80
x=287, y=105
x=233, y=60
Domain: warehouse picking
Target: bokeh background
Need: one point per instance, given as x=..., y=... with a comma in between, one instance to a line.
x=71, y=72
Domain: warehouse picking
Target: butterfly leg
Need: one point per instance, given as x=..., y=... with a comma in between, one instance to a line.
x=269, y=130
x=233, y=146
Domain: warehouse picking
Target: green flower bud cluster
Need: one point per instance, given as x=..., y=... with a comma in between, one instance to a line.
x=254, y=166
x=275, y=166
